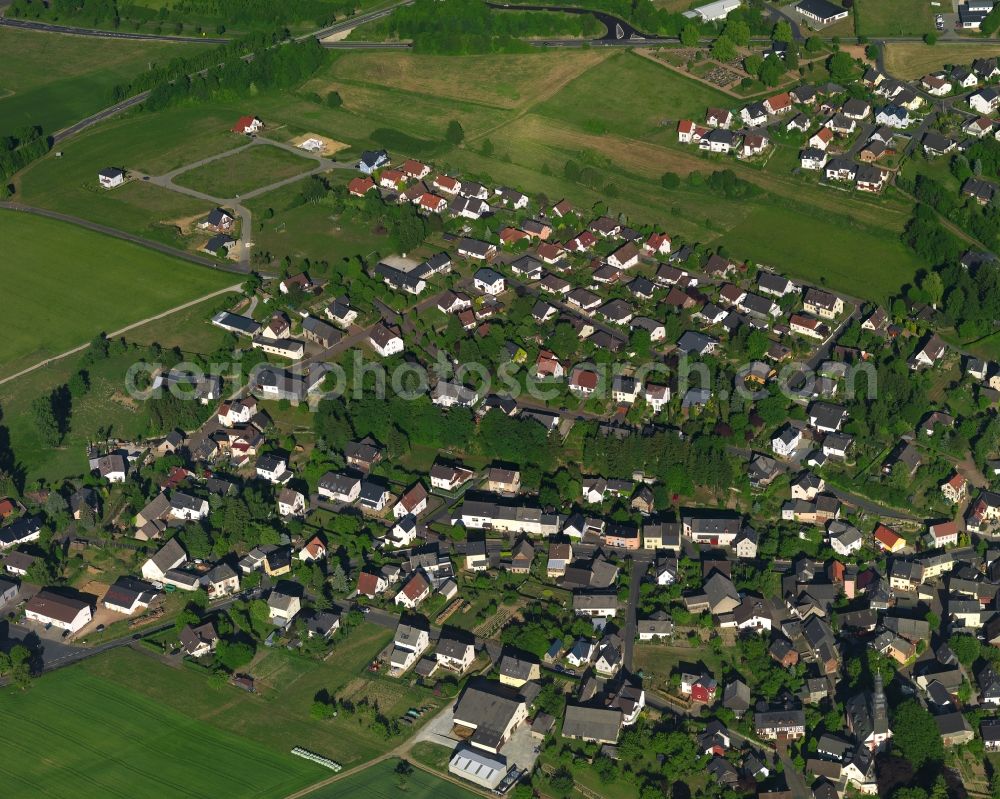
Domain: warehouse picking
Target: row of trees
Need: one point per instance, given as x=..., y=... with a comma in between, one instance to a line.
x=245, y=13
x=470, y=26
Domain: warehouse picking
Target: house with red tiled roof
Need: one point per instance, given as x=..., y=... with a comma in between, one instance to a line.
x=414, y=169
x=415, y=591
x=432, y=204
x=391, y=179
x=887, y=540
x=359, y=187
x=371, y=585
x=779, y=103
x=314, y=549
x=955, y=488
x=943, y=534
x=447, y=184
x=248, y=125
x=821, y=139
x=511, y=235
x=657, y=244
x=685, y=131
x=550, y=253
x=583, y=381
x=582, y=242
x=414, y=501
x=548, y=365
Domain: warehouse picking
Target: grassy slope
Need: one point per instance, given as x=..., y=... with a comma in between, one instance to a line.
x=894, y=17
x=63, y=285
x=118, y=743
x=380, y=782
x=915, y=59
x=236, y=174
x=53, y=81
x=278, y=716
x=546, y=108
x=149, y=143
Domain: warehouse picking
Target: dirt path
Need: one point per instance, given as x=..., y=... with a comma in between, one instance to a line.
x=122, y=331
x=540, y=98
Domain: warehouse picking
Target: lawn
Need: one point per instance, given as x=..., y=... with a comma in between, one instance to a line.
x=894, y=17
x=64, y=284
x=645, y=96
x=913, y=59
x=381, y=782
x=117, y=742
x=54, y=81
x=786, y=238
x=523, y=81
x=311, y=231
x=150, y=143
x=277, y=717
x=252, y=168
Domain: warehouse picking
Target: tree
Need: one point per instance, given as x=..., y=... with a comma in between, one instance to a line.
x=334, y=100
x=723, y=49
x=933, y=287
x=916, y=735
x=966, y=648
x=782, y=31
x=17, y=666
x=690, y=35
x=486, y=148
x=814, y=44
x=455, y=134
x=930, y=38
x=841, y=67
x=670, y=180
x=739, y=31
x=233, y=655
x=43, y=415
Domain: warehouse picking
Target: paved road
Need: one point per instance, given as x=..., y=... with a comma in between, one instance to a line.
x=640, y=564
x=118, y=234
x=351, y=23
x=93, y=119
x=123, y=331
x=47, y=27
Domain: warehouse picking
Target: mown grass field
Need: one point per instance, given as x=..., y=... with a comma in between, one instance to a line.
x=252, y=168
x=381, y=782
x=521, y=128
x=310, y=231
x=76, y=735
x=63, y=285
x=915, y=59
x=277, y=716
x=894, y=17
x=150, y=143
x=53, y=81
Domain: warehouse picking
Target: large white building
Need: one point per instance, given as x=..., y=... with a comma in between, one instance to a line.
x=66, y=613
x=720, y=9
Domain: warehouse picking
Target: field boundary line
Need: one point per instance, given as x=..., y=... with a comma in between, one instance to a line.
x=123, y=330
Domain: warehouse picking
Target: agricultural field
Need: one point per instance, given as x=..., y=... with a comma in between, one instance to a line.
x=380, y=781
x=90, y=283
x=909, y=60
x=755, y=239
x=54, y=81
x=894, y=17
x=237, y=174
x=277, y=717
x=118, y=742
